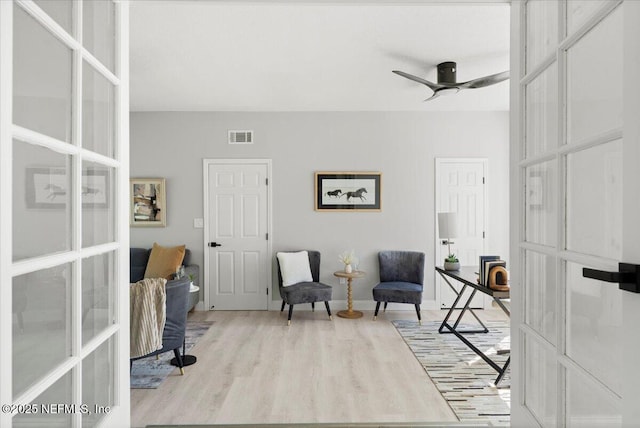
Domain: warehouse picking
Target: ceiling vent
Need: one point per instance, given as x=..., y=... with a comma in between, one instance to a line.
x=240, y=137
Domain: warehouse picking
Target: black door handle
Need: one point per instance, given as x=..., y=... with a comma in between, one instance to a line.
x=214, y=244
x=628, y=276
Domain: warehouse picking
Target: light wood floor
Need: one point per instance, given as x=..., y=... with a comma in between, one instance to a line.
x=252, y=369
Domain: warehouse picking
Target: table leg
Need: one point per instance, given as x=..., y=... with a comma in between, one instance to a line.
x=349, y=313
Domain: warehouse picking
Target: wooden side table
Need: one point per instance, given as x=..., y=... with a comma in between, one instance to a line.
x=349, y=313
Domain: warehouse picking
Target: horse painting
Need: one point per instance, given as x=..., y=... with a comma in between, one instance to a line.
x=335, y=193
x=357, y=194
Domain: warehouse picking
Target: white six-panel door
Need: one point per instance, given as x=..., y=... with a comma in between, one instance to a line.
x=238, y=262
x=460, y=188
x=575, y=183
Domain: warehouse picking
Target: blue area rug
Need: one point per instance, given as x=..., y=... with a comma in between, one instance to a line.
x=149, y=373
x=461, y=376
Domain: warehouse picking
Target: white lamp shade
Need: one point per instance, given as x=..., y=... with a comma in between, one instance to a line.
x=448, y=225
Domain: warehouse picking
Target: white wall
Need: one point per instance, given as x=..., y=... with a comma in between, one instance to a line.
x=401, y=145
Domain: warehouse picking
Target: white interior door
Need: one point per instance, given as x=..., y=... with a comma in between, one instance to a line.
x=575, y=185
x=460, y=188
x=237, y=250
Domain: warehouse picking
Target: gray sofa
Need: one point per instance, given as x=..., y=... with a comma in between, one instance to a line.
x=139, y=257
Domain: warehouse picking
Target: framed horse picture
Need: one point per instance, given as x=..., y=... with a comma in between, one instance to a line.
x=348, y=191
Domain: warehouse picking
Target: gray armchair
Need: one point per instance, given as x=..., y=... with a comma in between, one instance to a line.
x=401, y=279
x=305, y=292
x=176, y=320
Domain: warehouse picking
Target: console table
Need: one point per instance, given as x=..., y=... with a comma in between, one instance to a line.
x=467, y=276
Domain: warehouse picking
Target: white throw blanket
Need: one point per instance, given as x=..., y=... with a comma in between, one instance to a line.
x=147, y=315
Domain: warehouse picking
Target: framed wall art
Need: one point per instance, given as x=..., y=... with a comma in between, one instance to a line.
x=148, y=202
x=47, y=187
x=348, y=191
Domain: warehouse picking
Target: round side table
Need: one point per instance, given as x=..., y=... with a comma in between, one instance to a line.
x=349, y=313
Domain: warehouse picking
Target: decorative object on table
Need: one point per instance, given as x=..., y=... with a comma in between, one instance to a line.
x=499, y=278
x=483, y=273
x=447, y=229
x=461, y=377
x=348, y=191
x=148, y=206
x=149, y=373
x=349, y=313
x=401, y=279
x=349, y=259
x=299, y=280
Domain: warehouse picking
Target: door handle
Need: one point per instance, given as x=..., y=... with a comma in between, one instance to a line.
x=446, y=242
x=214, y=244
x=628, y=276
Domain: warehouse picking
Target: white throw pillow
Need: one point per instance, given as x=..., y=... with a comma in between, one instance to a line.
x=294, y=268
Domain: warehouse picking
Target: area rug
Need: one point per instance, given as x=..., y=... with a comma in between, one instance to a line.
x=462, y=377
x=149, y=373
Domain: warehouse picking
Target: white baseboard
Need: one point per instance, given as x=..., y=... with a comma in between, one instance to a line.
x=361, y=305
x=340, y=305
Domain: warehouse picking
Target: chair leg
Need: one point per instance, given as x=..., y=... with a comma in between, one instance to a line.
x=282, y=307
x=290, y=312
x=328, y=310
x=385, y=306
x=313, y=306
x=375, y=314
x=176, y=352
x=418, y=312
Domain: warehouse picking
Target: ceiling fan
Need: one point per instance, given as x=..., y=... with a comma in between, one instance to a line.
x=447, y=84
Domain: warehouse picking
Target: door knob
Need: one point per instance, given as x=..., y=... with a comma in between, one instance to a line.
x=628, y=276
x=214, y=244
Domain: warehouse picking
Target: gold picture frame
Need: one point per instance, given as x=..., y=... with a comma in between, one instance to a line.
x=148, y=202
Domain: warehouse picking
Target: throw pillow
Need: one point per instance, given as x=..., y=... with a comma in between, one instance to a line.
x=164, y=261
x=294, y=268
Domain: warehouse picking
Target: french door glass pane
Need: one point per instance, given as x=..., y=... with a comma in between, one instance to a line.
x=542, y=112
x=98, y=102
x=589, y=406
x=60, y=10
x=598, y=169
x=98, y=382
x=597, y=57
x=540, y=300
x=59, y=392
x=98, y=211
x=541, y=205
x=594, y=326
x=41, y=204
x=542, y=31
x=579, y=11
x=98, y=276
x=41, y=324
x=540, y=394
x=41, y=79
x=98, y=24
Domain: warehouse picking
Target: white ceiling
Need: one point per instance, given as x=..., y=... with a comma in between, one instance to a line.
x=313, y=55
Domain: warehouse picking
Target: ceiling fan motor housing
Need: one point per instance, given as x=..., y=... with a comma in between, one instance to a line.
x=447, y=72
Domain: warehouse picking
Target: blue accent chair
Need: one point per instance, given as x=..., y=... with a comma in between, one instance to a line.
x=401, y=279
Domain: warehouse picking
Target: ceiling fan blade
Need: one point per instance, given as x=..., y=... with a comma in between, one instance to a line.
x=433, y=86
x=435, y=95
x=485, y=81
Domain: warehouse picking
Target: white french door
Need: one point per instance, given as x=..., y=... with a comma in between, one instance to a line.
x=64, y=144
x=574, y=205
x=237, y=245
x=461, y=188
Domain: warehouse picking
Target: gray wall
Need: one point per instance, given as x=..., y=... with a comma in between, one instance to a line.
x=401, y=145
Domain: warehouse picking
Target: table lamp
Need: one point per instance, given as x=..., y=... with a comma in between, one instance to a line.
x=447, y=229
